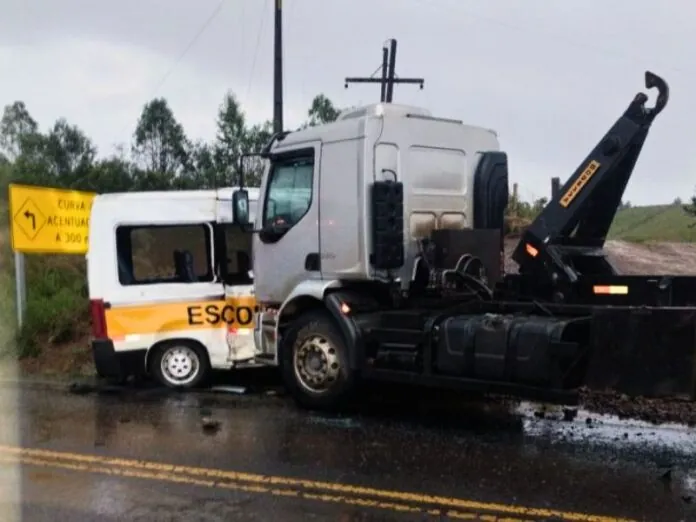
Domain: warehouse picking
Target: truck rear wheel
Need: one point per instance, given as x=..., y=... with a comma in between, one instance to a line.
x=314, y=363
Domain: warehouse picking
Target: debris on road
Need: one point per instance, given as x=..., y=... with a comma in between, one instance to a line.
x=239, y=390
x=210, y=425
x=81, y=388
x=655, y=411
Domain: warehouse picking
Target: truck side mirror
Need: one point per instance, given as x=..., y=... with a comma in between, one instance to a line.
x=240, y=207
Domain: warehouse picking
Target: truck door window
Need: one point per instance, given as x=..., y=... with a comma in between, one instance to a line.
x=289, y=193
x=156, y=254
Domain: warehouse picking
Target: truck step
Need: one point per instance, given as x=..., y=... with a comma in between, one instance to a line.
x=396, y=358
x=398, y=339
x=265, y=357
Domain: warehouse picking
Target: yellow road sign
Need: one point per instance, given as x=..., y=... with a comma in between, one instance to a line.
x=49, y=220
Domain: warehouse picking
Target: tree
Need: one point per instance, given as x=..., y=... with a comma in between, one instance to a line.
x=322, y=110
x=256, y=138
x=205, y=174
x=5, y=176
x=16, y=128
x=70, y=153
x=235, y=138
x=690, y=208
x=161, y=145
x=231, y=138
x=539, y=205
x=113, y=174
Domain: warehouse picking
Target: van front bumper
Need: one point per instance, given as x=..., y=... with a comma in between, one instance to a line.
x=111, y=364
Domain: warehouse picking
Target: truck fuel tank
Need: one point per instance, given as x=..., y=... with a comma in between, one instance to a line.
x=526, y=350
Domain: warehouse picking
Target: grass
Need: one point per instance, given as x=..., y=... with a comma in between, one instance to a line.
x=8, y=330
x=654, y=223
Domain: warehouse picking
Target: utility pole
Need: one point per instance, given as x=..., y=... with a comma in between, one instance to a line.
x=388, y=78
x=278, y=68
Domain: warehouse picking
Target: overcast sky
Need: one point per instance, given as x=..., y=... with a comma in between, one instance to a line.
x=549, y=76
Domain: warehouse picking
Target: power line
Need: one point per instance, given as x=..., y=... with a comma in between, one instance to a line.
x=259, y=33
x=202, y=28
x=190, y=45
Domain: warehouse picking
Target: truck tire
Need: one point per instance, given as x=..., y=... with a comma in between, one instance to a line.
x=314, y=363
x=180, y=364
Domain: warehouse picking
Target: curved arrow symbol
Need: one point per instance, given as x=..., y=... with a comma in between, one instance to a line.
x=30, y=215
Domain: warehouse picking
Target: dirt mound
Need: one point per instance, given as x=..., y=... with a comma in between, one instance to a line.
x=677, y=410
x=69, y=359
x=637, y=258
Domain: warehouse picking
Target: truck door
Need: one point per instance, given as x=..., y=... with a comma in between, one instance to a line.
x=289, y=200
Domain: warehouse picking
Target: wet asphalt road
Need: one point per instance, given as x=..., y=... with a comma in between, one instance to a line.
x=148, y=454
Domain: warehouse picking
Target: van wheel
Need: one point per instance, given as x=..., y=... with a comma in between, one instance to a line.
x=314, y=363
x=180, y=364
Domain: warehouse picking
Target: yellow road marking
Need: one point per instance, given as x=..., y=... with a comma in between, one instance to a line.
x=183, y=479
x=253, y=482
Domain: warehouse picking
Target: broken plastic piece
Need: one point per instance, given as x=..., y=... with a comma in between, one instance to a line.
x=239, y=390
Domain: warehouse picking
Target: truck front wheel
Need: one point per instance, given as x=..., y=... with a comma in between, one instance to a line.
x=314, y=362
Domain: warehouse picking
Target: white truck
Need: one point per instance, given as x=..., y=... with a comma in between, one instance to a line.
x=378, y=254
x=170, y=285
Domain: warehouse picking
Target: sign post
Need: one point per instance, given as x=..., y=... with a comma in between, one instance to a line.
x=46, y=221
x=21, y=287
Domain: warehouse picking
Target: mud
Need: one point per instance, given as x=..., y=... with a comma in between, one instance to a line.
x=654, y=411
x=636, y=258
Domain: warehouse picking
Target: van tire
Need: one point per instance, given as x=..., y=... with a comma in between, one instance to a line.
x=315, y=339
x=179, y=364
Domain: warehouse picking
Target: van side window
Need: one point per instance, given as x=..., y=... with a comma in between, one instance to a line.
x=237, y=256
x=156, y=254
x=289, y=193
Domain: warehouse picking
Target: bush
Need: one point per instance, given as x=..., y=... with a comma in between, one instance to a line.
x=57, y=303
x=7, y=301
x=8, y=330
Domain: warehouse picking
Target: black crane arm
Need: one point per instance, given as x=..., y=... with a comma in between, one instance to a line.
x=566, y=238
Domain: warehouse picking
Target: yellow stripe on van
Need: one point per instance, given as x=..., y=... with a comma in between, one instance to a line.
x=233, y=312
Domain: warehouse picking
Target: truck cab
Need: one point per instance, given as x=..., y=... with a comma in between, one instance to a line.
x=319, y=179
x=320, y=228
x=170, y=285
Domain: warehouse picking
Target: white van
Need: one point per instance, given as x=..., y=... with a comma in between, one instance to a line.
x=170, y=285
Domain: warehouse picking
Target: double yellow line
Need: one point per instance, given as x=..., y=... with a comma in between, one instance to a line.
x=331, y=492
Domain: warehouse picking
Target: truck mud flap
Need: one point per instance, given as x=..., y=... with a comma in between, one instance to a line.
x=649, y=352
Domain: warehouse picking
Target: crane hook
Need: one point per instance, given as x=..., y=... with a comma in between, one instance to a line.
x=653, y=80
